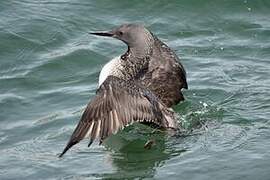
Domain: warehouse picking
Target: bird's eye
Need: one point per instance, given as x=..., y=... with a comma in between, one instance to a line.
x=120, y=33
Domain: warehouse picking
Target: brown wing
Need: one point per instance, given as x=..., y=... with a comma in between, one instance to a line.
x=117, y=104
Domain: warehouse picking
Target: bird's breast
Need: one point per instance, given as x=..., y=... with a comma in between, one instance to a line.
x=112, y=68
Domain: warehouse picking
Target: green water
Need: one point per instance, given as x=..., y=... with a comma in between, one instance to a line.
x=49, y=69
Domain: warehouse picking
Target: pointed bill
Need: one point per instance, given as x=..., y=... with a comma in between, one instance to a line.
x=105, y=33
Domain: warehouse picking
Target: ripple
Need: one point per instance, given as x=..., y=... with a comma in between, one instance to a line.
x=49, y=69
x=3, y=138
x=10, y=97
x=227, y=137
x=64, y=114
x=13, y=34
x=76, y=44
x=69, y=89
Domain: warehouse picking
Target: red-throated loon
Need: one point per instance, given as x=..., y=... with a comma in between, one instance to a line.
x=139, y=86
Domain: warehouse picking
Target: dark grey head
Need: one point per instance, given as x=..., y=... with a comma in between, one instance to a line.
x=134, y=35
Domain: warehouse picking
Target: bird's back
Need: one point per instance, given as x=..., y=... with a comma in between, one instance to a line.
x=165, y=76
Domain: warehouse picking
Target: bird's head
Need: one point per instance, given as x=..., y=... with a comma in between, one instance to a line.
x=134, y=35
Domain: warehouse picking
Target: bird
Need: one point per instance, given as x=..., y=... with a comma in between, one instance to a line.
x=140, y=85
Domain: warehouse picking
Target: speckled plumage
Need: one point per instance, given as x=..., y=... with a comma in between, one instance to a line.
x=139, y=86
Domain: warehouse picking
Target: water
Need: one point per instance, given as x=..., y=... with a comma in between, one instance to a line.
x=49, y=69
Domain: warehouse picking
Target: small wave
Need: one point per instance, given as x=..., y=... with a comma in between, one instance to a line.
x=79, y=43
x=27, y=39
x=69, y=89
x=4, y=97
x=64, y=114
x=227, y=137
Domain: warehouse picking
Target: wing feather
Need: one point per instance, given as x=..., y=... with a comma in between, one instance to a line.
x=117, y=104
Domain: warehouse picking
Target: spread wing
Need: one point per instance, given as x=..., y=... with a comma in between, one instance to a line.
x=117, y=104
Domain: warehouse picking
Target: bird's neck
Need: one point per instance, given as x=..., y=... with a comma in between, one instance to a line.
x=131, y=64
x=140, y=51
x=142, y=46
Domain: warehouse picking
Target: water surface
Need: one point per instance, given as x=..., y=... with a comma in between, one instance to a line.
x=49, y=69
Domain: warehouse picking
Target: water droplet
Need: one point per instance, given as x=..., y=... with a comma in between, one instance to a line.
x=205, y=105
